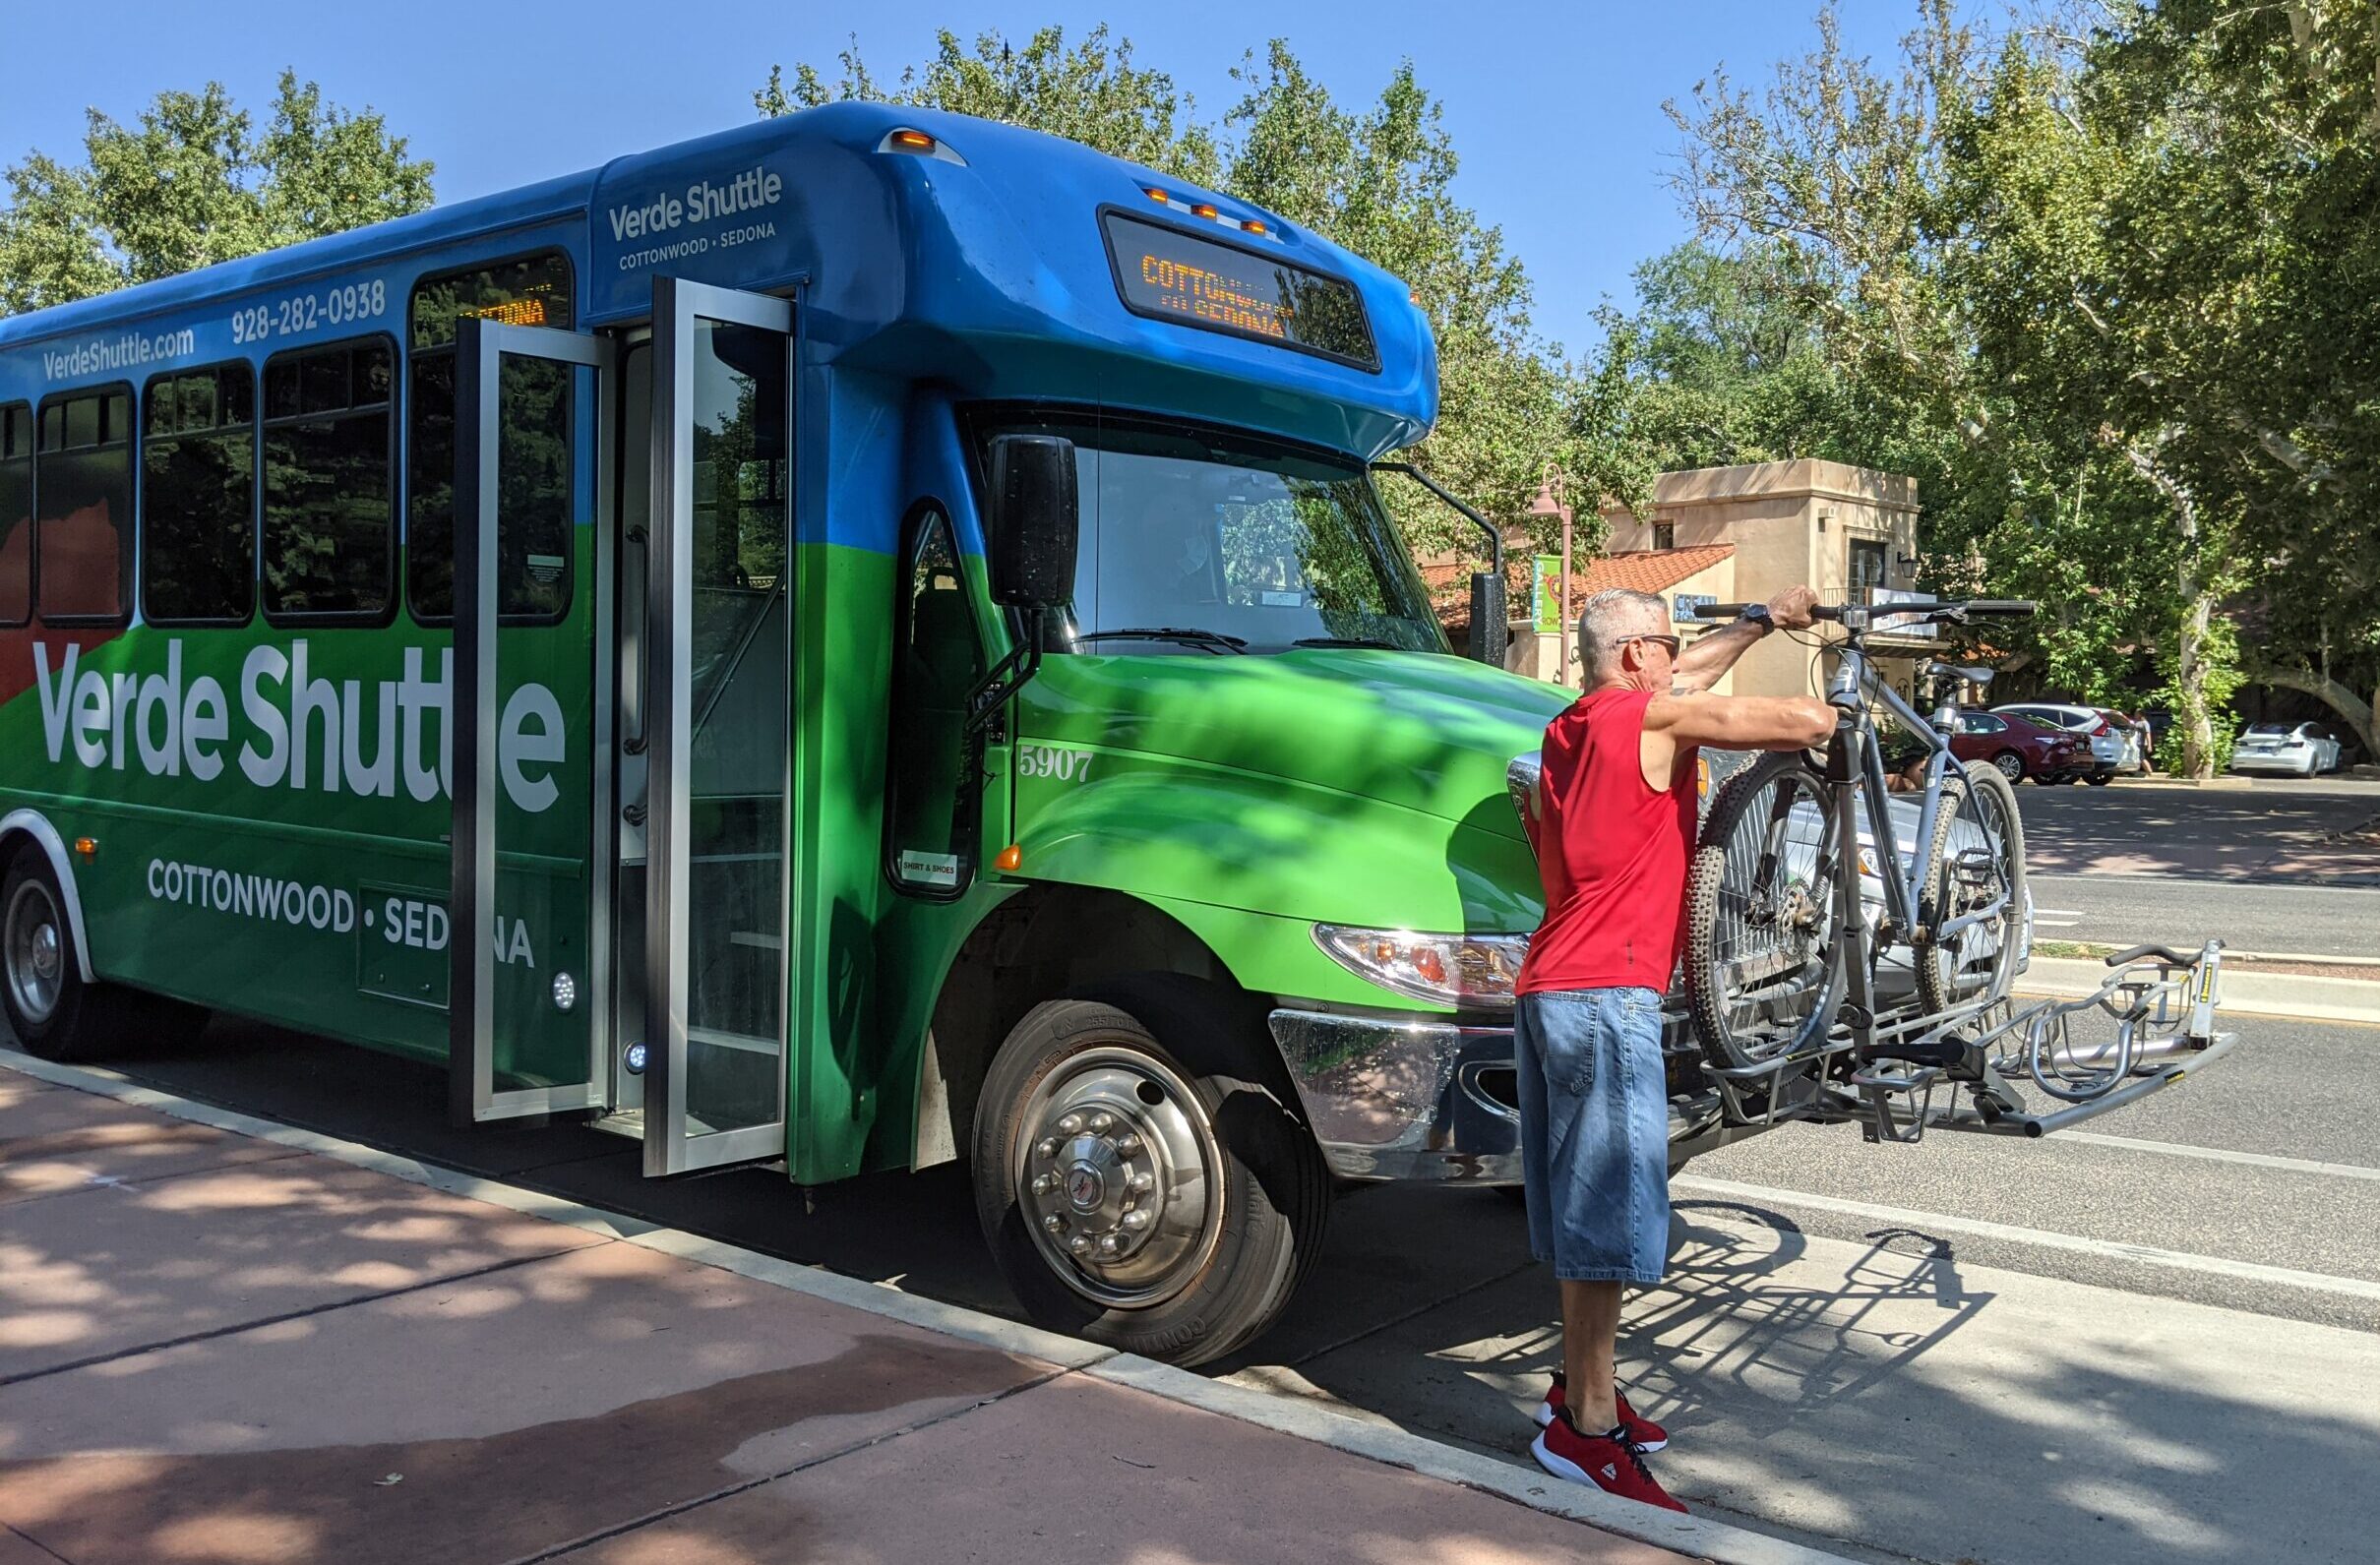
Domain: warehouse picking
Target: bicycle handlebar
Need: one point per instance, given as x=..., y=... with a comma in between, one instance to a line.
x=1957, y=608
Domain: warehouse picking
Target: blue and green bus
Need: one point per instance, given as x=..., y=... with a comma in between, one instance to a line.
x=867, y=640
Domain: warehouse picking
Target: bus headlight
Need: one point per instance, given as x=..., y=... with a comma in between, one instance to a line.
x=1472, y=971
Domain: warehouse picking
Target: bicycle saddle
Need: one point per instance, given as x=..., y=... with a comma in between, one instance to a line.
x=1972, y=674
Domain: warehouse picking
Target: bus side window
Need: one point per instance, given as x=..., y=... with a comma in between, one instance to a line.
x=327, y=443
x=198, y=497
x=82, y=493
x=930, y=812
x=537, y=540
x=15, y=514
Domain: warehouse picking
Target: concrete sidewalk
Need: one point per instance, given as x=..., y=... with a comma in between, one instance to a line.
x=245, y=1347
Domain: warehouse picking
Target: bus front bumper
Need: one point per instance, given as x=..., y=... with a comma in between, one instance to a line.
x=1406, y=1097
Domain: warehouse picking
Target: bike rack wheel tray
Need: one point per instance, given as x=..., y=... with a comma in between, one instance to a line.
x=2148, y=1024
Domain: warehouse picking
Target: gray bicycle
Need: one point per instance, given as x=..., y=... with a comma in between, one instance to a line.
x=1783, y=962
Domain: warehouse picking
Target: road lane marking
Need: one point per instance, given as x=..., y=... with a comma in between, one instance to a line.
x=2253, y=1159
x=2039, y=1239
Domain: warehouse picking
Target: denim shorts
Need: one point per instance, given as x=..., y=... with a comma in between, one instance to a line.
x=1594, y=1133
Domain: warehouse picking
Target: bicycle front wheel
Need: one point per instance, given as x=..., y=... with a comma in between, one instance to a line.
x=1763, y=940
x=1973, y=902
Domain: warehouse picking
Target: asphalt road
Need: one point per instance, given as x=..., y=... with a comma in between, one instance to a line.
x=1859, y=1342
x=2268, y=830
x=2280, y=918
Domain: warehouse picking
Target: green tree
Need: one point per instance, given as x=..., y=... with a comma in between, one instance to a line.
x=192, y=182
x=1091, y=91
x=1966, y=229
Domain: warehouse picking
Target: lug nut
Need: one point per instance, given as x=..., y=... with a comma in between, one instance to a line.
x=1136, y=1221
x=1127, y=1143
x=1079, y=1245
x=1100, y=1123
x=1045, y=1149
x=1053, y=1224
x=1110, y=1245
x=1043, y=1185
x=1145, y=1181
x=1070, y=1124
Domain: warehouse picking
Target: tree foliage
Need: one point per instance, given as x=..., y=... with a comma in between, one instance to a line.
x=192, y=182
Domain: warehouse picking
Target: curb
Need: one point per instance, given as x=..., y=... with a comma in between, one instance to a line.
x=1694, y=1535
x=2288, y=996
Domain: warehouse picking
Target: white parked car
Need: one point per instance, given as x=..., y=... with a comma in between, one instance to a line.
x=2115, y=744
x=2301, y=750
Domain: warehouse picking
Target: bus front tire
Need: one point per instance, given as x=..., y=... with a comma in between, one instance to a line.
x=1140, y=1173
x=55, y=1012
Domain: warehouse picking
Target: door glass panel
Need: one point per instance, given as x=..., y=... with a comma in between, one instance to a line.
x=546, y=719
x=738, y=646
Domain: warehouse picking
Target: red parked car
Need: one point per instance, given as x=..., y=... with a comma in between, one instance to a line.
x=2020, y=749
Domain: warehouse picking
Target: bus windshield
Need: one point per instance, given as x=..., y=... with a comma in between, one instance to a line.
x=1230, y=545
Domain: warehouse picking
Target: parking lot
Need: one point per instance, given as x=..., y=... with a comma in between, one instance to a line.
x=2156, y=1338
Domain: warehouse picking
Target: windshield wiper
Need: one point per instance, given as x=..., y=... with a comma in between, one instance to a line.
x=1348, y=640
x=1212, y=641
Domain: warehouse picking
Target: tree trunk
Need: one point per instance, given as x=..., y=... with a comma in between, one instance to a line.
x=2196, y=723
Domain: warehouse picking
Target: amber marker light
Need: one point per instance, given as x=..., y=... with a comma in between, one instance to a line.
x=1156, y=195
x=87, y=848
x=1254, y=226
x=913, y=140
x=1204, y=209
x=1009, y=857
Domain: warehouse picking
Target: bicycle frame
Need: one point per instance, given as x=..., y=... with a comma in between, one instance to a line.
x=1854, y=772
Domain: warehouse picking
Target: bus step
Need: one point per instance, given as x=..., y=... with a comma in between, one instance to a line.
x=629, y=1122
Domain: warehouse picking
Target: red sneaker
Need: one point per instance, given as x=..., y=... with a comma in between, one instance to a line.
x=1612, y=1466
x=1643, y=1431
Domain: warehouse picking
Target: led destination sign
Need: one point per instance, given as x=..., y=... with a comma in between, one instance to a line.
x=1166, y=275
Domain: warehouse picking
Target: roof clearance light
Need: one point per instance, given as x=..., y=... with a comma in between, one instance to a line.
x=1204, y=209
x=1254, y=226
x=911, y=141
x=1156, y=195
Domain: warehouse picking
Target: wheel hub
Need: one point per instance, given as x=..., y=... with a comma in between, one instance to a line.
x=32, y=953
x=1115, y=1179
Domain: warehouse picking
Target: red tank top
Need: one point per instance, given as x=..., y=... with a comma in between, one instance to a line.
x=1610, y=850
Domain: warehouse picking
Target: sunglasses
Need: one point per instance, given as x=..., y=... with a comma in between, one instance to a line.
x=1672, y=643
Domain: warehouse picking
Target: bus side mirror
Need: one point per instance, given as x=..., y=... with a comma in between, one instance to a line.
x=1489, y=630
x=1036, y=521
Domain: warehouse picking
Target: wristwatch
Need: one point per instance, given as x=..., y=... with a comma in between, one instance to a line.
x=1756, y=614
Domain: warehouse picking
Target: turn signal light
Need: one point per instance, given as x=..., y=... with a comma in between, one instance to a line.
x=1011, y=857
x=87, y=847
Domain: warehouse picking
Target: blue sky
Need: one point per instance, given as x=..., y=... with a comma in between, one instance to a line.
x=1555, y=108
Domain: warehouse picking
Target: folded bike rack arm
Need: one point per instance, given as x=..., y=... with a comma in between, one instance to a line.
x=2033, y=1127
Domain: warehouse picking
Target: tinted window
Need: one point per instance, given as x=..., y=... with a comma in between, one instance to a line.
x=328, y=426
x=198, y=497
x=938, y=658
x=15, y=514
x=83, y=490
x=534, y=570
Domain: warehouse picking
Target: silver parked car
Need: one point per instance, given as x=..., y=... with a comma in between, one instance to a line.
x=2115, y=744
x=2300, y=749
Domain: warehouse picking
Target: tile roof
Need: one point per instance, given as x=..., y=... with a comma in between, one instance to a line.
x=1643, y=570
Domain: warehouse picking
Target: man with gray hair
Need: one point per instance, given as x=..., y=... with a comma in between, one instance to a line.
x=1614, y=833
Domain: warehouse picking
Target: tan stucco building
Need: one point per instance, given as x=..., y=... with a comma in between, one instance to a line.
x=1746, y=533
